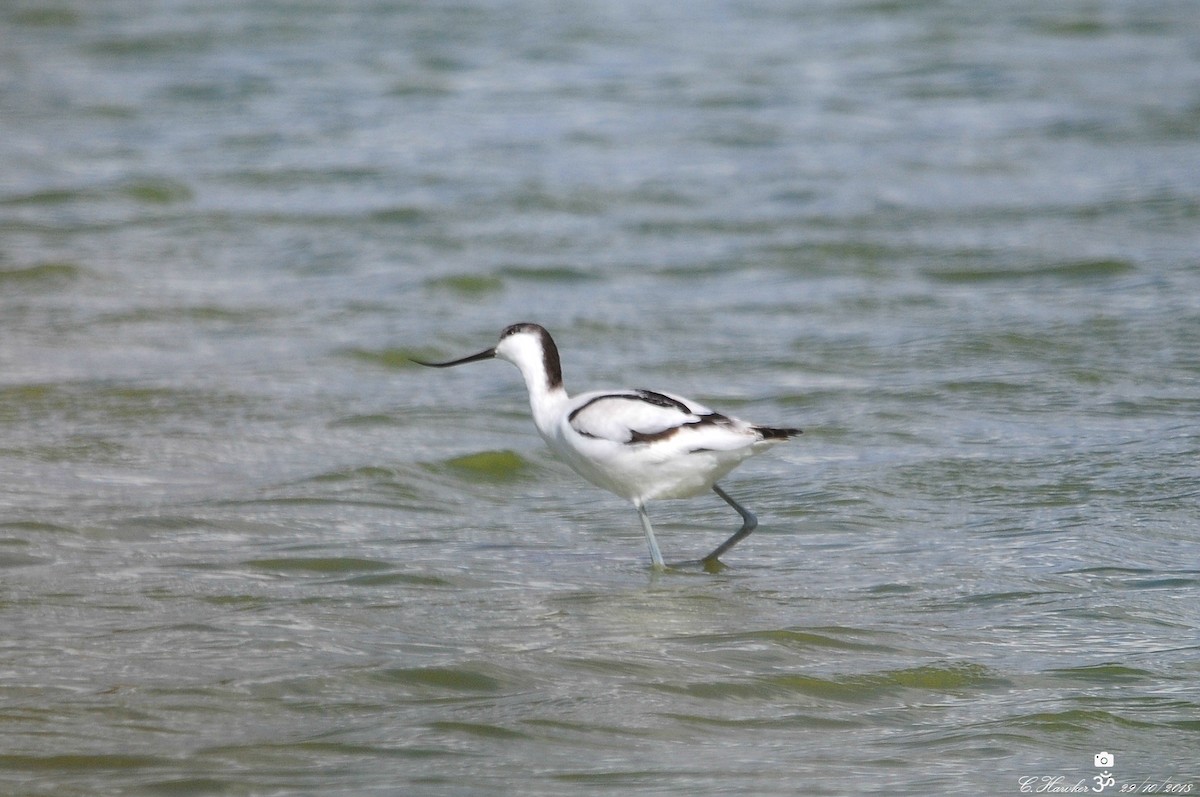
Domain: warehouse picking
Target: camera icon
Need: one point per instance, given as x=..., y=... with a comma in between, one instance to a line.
x=1103, y=759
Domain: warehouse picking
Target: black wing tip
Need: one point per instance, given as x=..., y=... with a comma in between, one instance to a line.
x=777, y=433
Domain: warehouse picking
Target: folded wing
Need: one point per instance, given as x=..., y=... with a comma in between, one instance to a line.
x=636, y=417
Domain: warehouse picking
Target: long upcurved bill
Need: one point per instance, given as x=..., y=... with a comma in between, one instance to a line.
x=483, y=355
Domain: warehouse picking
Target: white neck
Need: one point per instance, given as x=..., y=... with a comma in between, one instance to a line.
x=532, y=350
x=545, y=401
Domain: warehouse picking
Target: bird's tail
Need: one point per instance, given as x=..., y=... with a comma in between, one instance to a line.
x=776, y=433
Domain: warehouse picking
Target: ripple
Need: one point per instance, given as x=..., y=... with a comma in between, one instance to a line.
x=324, y=565
x=1081, y=270
x=496, y=466
x=454, y=679
x=49, y=275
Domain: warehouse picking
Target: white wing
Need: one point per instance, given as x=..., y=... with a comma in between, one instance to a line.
x=638, y=416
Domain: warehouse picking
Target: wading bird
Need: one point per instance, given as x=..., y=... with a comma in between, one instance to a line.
x=639, y=444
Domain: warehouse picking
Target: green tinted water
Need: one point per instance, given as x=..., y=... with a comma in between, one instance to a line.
x=247, y=548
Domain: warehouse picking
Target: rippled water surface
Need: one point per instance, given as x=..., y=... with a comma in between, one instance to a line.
x=247, y=548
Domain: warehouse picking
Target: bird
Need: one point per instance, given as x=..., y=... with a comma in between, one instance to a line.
x=640, y=445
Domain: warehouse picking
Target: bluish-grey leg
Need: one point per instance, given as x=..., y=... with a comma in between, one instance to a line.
x=749, y=523
x=655, y=555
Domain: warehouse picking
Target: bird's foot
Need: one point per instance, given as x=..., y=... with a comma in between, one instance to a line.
x=707, y=564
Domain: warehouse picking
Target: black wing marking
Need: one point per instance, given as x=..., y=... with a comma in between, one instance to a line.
x=689, y=417
x=648, y=396
x=713, y=419
x=663, y=400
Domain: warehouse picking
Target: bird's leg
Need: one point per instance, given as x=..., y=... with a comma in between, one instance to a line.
x=655, y=555
x=749, y=523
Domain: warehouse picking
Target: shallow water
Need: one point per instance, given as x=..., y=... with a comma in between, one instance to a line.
x=247, y=548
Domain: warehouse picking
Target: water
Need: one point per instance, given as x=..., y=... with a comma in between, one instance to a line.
x=247, y=549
